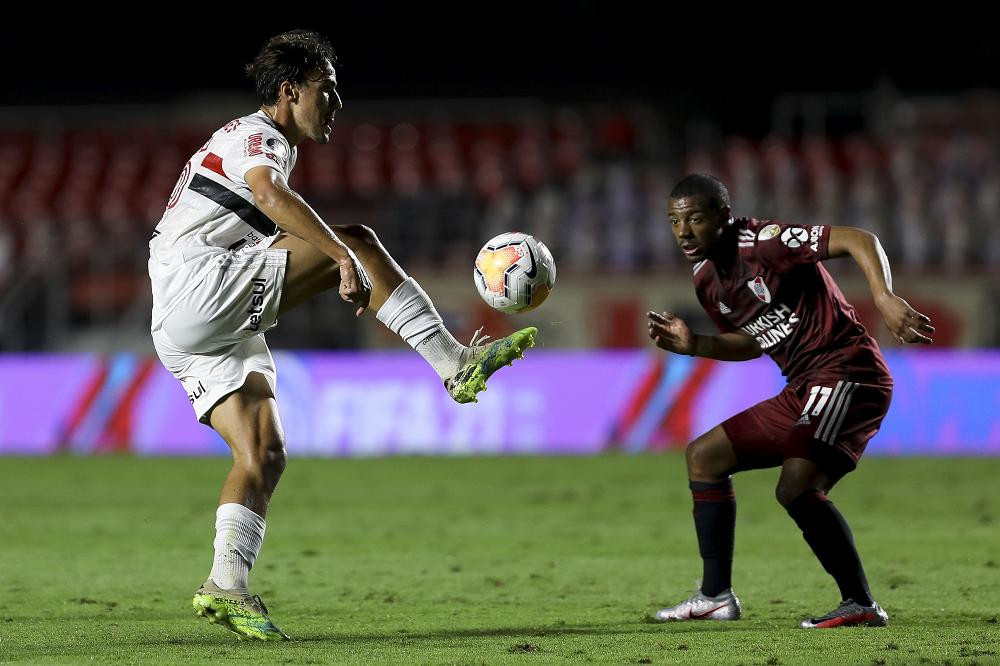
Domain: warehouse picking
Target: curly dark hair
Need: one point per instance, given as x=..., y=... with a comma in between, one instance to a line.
x=697, y=184
x=291, y=56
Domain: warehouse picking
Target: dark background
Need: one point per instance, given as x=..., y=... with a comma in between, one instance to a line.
x=727, y=66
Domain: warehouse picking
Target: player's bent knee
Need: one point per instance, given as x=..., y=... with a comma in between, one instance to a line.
x=788, y=493
x=702, y=462
x=264, y=462
x=785, y=495
x=360, y=233
x=692, y=457
x=275, y=460
x=271, y=457
x=711, y=457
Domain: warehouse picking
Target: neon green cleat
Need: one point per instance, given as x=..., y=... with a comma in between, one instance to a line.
x=241, y=614
x=487, y=359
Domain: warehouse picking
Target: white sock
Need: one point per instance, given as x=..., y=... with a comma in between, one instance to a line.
x=409, y=313
x=238, y=535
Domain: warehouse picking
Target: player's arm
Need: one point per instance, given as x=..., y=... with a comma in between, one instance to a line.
x=289, y=211
x=906, y=324
x=672, y=333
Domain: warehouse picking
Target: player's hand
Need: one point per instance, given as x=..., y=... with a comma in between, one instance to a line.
x=670, y=332
x=905, y=323
x=355, y=287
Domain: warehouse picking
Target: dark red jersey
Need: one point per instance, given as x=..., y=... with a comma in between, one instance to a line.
x=775, y=290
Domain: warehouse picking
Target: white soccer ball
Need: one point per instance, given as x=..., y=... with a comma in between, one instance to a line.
x=514, y=272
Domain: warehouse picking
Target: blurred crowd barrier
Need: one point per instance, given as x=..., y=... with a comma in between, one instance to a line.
x=386, y=403
x=81, y=192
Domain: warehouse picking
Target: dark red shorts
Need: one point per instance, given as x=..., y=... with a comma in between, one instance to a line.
x=828, y=420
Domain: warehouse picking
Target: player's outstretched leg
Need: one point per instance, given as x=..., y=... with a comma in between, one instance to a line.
x=409, y=313
x=404, y=308
x=485, y=359
x=710, y=459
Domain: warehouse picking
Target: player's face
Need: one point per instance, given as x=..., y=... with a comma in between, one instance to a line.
x=317, y=104
x=696, y=225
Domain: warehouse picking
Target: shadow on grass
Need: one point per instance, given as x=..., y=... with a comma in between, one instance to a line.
x=478, y=632
x=526, y=632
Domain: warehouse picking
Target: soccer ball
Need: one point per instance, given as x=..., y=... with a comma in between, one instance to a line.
x=514, y=272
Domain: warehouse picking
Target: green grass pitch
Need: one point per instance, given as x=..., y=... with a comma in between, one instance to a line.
x=486, y=560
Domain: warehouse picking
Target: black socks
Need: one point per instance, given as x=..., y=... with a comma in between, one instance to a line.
x=827, y=533
x=715, y=523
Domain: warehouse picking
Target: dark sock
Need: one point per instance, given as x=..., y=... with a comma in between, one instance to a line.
x=715, y=523
x=827, y=533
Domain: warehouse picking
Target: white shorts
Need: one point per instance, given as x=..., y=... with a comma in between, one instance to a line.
x=215, y=337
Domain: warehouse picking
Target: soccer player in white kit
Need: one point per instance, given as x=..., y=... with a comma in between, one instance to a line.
x=236, y=248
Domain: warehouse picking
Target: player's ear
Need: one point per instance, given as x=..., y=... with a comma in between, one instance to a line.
x=288, y=90
x=727, y=214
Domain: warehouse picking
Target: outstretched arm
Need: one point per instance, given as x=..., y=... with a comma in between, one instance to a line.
x=671, y=333
x=903, y=321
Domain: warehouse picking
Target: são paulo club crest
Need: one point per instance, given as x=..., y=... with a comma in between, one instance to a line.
x=760, y=289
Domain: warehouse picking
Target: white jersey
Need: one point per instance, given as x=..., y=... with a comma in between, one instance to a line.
x=211, y=211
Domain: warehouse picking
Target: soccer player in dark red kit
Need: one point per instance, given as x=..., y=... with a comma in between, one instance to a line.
x=762, y=284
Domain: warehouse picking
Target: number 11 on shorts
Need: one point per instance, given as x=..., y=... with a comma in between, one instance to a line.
x=823, y=395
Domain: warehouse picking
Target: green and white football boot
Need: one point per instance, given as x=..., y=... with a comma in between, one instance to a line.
x=484, y=360
x=242, y=614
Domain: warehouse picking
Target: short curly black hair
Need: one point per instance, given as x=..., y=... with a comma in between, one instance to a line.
x=705, y=184
x=291, y=56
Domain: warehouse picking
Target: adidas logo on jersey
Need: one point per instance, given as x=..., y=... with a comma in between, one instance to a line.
x=724, y=309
